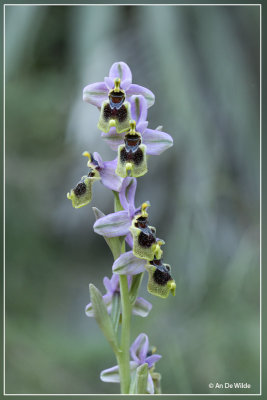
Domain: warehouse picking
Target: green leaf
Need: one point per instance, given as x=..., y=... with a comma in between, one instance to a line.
x=136, y=282
x=102, y=317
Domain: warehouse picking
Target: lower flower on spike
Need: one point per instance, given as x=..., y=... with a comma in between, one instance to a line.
x=132, y=155
x=160, y=282
x=140, y=354
x=115, y=111
x=145, y=243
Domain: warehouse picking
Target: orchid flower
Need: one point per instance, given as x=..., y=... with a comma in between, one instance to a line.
x=140, y=354
x=97, y=93
x=144, y=241
x=98, y=170
x=160, y=282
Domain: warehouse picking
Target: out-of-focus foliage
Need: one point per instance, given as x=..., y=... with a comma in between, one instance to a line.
x=202, y=63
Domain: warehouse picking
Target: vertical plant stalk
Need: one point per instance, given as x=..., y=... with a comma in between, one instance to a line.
x=124, y=354
x=126, y=312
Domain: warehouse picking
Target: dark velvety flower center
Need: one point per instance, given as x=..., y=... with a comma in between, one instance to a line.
x=162, y=273
x=146, y=237
x=161, y=277
x=80, y=189
x=115, y=113
x=116, y=99
x=131, y=151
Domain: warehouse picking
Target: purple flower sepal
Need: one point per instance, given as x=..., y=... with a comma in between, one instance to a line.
x=97, y=93
x=106, y=170
x=140, y=354
x=155, y=140
x=128, y=264
x=141, y=306
x=118, y=223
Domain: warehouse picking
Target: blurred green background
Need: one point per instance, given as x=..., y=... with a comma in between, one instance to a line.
x=202, y=63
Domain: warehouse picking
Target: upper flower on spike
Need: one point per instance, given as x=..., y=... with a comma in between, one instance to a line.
x=115, y=112
x=141, y=306
x=97, y=93
x=132, y=155
x=140, y=354
x=98, y=170
x=155, y=141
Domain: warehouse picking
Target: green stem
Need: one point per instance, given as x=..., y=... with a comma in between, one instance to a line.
x=124, y=354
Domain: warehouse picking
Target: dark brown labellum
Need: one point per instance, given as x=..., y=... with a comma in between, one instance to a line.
x=131, y=154
x=114, y=113
x=80, y=189
x=161, y=277
x=146, y=238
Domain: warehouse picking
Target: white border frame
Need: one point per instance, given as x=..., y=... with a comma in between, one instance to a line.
x=151, y=5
